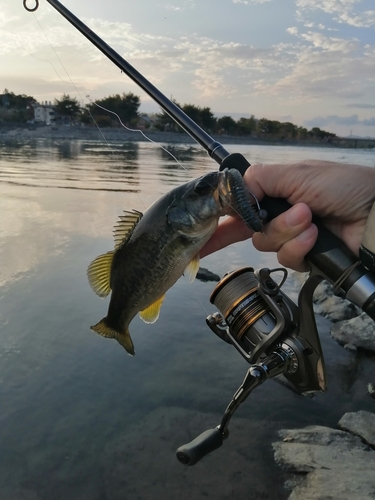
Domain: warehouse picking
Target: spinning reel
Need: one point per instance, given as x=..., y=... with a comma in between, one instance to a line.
x=273, y=335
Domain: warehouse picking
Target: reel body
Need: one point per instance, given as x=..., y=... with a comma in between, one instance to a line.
x=256, y=316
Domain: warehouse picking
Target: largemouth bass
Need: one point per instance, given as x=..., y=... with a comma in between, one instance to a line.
x=153, y=250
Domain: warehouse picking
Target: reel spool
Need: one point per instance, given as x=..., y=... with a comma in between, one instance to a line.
x=254, y=310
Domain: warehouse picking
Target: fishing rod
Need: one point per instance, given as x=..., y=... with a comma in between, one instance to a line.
x=273, y=334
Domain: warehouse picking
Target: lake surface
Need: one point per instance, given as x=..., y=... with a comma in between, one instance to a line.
x=79, y=419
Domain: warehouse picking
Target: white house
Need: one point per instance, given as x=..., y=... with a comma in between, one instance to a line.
x=44, y=113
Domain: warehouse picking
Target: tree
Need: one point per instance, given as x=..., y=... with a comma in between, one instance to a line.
x=317, y=133
x=207, y=119
x=67, y=107
x=288, y=130
x=201, y=116
x=226, y=125
x=302, y=133
x=125, y=106
x=270, y=129
x=16, y=108
x=247, y=125
x=164, y=122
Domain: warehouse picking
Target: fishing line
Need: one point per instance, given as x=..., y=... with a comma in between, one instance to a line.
x=141, y=132
x=117, y=116
x=109, y=111
x=71, y=81
x=99, y=106
x=57, y=73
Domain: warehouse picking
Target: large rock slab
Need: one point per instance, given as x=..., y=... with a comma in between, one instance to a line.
x=358, y=331
x=338, y=465
x=360, y=423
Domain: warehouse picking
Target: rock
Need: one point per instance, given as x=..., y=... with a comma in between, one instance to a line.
x=326, y=303
x=358, y=331
x=338, y=465
x=360, y=423
x=347, y=485
x=19, y=494
x=351, y=348
x=317, y=447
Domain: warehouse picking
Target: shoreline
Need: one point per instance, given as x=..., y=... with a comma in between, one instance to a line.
x=24, y=133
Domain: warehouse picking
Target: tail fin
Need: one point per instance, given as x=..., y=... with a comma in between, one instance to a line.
x=122, y=338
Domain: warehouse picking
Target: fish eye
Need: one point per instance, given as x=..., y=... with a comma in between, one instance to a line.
x=202, y=187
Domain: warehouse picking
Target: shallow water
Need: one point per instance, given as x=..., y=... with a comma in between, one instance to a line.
x=79, y=418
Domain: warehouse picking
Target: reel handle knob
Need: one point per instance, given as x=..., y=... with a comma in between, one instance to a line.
x=205, y=443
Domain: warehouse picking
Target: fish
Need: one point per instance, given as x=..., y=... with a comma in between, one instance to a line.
x=153, y=250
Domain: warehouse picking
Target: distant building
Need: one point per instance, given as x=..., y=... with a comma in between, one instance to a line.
x=44, y=113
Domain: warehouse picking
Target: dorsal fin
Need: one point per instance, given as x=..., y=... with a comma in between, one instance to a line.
x=99, y=274
x=151, y=313
x=192, y=268
x=125, y=226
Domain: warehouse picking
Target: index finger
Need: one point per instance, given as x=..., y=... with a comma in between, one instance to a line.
x=230, y=230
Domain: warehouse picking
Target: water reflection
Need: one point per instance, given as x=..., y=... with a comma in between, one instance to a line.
x=68, y=150
x=71, y=165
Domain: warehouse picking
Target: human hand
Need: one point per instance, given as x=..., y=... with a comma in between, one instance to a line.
x=340, y=194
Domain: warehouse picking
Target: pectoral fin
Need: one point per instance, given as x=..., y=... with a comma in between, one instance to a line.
x=151, y=313
x=192, y=269
x=122, y=338
x=99, y=274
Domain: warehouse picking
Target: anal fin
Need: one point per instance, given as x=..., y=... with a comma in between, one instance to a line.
x=151, y=313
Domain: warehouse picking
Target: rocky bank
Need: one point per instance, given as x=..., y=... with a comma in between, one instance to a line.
x=328, y=463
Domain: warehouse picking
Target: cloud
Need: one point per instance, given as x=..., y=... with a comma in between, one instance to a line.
x=188, y=4
x=250, y=2
x=342, y=11
x=351, y=120
x=293, y=30
x=320, y=67
x=360, y=106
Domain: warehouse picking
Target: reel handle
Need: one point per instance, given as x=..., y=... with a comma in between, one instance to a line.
x=205, y=443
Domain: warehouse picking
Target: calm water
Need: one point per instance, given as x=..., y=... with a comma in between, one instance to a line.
x=79, y=418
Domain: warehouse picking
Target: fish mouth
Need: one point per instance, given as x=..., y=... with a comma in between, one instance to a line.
x=234, y=194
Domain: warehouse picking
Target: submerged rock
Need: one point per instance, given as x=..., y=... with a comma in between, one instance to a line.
x=358, y=331
x=338, y=465
x=326, y=303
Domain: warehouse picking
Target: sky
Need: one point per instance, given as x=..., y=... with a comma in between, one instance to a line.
x=311, y=62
